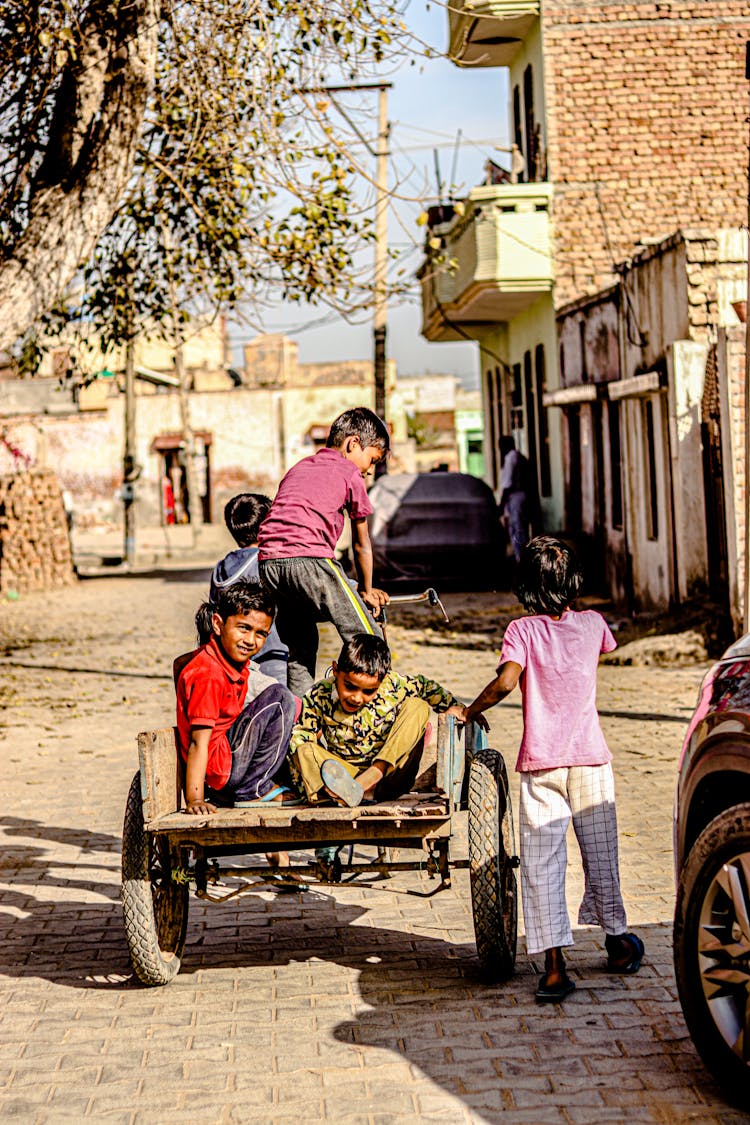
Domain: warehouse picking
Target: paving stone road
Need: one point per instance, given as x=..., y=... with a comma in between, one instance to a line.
x=344, y=1005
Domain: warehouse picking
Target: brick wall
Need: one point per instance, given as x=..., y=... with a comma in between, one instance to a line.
x=646, y=108
x=34, y=542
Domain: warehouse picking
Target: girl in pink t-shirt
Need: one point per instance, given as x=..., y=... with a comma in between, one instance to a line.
x=564, y=762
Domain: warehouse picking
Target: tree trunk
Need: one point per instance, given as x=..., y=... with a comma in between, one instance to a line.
x=94, y=135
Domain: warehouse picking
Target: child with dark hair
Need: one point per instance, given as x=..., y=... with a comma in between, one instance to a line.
x=360, y=735
x=564, y=762
x=298, y=541
x=233, y=722
x=243, y=515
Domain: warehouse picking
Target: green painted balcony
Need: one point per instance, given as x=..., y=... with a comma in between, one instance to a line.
x=488, y=32
x=492, y=262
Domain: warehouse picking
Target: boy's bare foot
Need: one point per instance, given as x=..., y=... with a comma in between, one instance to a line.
x=280, y=862
x=278, y=859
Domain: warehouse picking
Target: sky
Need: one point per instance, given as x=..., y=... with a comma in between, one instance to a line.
x=429, y=103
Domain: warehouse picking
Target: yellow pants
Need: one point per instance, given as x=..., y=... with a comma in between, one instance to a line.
x=401, y=751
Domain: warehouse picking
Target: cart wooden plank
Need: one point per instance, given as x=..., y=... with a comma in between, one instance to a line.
x=414, y=806
x=161, y=783
x=221, y=838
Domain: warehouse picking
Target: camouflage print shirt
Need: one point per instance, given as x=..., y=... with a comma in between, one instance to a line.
x=360, y=736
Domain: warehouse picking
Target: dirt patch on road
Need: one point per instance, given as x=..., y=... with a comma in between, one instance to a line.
x=478, y=620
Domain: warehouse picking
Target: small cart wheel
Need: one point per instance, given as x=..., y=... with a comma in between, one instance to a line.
x=494, y=894
x=155, y=909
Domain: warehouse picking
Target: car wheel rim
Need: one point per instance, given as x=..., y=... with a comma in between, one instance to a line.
x=724, y=953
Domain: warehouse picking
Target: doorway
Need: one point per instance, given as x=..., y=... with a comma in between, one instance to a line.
x=175, y=502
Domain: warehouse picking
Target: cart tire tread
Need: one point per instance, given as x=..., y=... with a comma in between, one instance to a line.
x=155, y=918
x=494, y=895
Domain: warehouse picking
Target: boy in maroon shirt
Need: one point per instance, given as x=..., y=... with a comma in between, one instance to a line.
x=298, y=539
x=233, y=722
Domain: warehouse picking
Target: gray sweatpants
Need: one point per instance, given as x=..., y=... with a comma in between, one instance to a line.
x=308, y=591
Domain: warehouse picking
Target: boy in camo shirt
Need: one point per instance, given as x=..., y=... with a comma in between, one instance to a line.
x=359, y=736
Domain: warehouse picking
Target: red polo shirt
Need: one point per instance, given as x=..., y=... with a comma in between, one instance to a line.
x=210, y=693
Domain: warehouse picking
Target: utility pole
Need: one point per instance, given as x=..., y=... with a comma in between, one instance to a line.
x=381, y=256
x=194, y=499
x=381, y=153
x=129, y=467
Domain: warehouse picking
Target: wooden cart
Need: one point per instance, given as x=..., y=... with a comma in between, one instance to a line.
x=165, y=852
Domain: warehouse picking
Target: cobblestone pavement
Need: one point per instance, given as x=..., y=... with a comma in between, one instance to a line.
x=346, y=1005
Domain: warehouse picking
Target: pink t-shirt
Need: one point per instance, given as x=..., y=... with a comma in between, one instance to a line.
x=558, y=687
x=307, y=515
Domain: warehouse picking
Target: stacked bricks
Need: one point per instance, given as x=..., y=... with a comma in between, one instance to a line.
x=35, y=549
x=646, y=113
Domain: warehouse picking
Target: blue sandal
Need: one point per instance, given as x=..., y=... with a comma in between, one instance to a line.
x=340, y=782
x=269, y=798
x=633, y=962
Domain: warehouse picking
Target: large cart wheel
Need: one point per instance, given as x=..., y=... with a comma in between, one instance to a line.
x=154, y=908
x=494, y=894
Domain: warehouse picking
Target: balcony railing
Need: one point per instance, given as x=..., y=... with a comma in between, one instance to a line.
x=488, y=32
x=492, y=262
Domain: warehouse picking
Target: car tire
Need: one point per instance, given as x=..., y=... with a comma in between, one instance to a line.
x=712, y=949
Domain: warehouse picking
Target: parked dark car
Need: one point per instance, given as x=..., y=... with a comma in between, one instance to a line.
x=712, y=853
x=438, y=527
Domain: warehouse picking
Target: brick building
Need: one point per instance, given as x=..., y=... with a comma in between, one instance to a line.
x=628, y=122
x=652, y=372
x=645, y=115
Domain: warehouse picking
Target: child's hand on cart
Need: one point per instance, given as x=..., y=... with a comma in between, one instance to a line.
x=458, y=711
x=473, y=716
x=199, y=807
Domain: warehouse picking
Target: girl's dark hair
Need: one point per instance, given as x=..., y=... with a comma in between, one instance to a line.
x=361, y=423
x=549, y=576
x=203, y=624
x=365, y=653
x=244, y=514
x=240, y=597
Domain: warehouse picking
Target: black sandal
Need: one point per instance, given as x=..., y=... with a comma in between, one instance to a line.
x=553, y=994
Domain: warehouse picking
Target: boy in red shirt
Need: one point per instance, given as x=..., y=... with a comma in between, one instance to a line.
x=233, y=722
x=298, y=538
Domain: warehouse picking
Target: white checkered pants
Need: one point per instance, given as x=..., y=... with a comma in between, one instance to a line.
x=548, y=800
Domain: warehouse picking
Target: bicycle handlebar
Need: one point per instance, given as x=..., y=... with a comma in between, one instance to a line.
x=429, y=595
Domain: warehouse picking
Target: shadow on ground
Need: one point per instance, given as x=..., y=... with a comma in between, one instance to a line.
x=418, y=997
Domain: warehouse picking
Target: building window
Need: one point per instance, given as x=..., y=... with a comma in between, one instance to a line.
x=582, y=345
x=531, y=413
x=540, y=372
x=562, y=366
x=492, y=426
x=532, y=137
x=517, y=126
x=516, y=400
x=500, y=400
x=615, y=463
x=649, y=460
